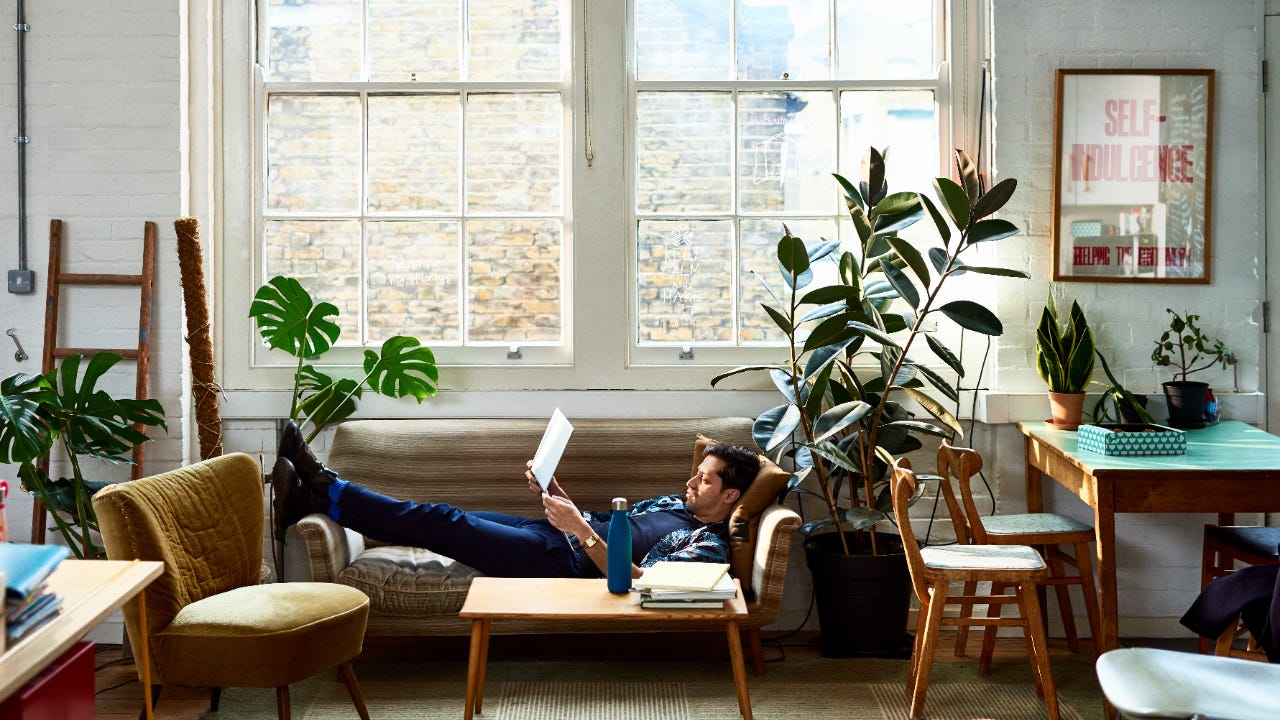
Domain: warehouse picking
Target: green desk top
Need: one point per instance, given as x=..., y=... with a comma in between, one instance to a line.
x=1228, y=445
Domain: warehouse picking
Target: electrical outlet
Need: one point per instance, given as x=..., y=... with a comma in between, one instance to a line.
x=22, y=281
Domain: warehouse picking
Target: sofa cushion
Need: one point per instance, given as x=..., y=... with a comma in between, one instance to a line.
x=744, y=521
x=409, y=582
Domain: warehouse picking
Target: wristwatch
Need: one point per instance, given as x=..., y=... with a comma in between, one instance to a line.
x=591, y=541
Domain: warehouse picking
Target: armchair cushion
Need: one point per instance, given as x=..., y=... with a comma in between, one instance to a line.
x=744, y=521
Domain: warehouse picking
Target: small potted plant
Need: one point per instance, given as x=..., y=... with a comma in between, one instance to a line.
x=1185, y=347
x=1064, y=359
x=1128, y=407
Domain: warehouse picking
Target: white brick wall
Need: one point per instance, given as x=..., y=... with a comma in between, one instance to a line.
x=107, y=152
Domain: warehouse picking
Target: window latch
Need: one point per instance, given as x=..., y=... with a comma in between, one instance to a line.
x=513, y=353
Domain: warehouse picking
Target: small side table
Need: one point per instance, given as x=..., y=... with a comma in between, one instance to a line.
x=492, y=598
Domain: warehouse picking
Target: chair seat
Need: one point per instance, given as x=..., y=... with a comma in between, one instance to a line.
x=1152, y=683
x=1260, y=541
x=1033, y=524
x=263, y=635
x=982, y=557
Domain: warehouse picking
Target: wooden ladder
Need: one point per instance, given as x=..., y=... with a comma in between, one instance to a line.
x=54, y=352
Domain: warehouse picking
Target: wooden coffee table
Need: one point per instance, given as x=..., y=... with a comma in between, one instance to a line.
x=492, y=598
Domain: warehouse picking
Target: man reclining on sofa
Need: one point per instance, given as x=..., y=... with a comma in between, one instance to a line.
x=565, y=544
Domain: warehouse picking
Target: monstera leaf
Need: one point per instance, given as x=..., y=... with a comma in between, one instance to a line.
x=289, y=320
x=26, y=428
x=91, y=421
x=404, y=368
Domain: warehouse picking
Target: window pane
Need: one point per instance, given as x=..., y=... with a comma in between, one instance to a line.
x=513, y=281
x=514, y=40
x=313, y=153
x=682, y=39
x=323, y=255
x=314, y=40
x=413, y=281
x=759, y=268
x=414, y=147
x=685, y=281
x=880, y=40
x=414, y=40
x=784, y=152
x=684, y=146
x=778, y=38
x=905, y=121
x=513, y=153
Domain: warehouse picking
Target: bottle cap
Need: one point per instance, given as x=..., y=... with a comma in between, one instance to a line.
x=619, y=503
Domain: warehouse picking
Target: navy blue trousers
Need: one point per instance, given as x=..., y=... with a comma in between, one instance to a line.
x=497, y=545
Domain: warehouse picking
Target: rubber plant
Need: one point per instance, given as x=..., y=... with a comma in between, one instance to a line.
x=63, y=408
x=290, y=320
x=856, y=362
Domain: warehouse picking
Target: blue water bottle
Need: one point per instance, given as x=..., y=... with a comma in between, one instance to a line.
x=619, y=563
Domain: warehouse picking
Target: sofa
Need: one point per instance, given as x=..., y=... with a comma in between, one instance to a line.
x=479, y=464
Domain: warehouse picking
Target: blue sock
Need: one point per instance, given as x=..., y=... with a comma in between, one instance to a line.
x=335, y=491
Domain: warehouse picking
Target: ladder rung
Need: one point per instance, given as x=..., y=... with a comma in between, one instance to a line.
x=126, y=353
x=98, y=279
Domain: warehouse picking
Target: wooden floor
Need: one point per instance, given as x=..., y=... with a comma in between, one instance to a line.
x=119, y=694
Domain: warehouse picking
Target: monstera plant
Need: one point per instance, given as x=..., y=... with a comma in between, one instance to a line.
x=66, y=409
x=856, y=374
x=290, y=320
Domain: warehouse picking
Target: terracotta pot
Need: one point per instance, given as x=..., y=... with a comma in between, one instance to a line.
x=1066, y=410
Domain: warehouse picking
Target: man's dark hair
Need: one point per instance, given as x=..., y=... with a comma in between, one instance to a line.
x=740, y=465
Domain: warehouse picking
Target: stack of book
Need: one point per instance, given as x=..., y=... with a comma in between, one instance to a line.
x=28, y=602
x=686, y=586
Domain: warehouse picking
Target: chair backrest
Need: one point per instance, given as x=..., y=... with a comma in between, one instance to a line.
x=960, y=465
x=904, y=488
x=204, y=521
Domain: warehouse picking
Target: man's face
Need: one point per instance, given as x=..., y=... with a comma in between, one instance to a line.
x=705, y=494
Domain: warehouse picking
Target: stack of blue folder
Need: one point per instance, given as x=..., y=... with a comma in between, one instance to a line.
x=28, y=602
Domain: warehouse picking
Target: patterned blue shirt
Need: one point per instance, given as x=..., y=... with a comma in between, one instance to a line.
x=699, y=543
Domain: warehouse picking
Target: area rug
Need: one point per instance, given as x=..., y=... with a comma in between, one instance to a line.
x=862, y=689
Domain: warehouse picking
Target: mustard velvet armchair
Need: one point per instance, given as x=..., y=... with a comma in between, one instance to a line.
x=210, y=622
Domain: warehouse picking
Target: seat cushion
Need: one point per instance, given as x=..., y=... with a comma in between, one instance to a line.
x=1024, y=523
x=982, y=557
x=1260, y=541
x=262, y=635
x=409, y=582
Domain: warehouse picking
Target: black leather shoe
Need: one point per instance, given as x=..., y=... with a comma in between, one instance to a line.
x=293, y=447
x=292, y=498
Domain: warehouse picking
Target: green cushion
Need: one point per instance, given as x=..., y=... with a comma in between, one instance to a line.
x=981, y=557
x=263, y=635
x=1022, y=523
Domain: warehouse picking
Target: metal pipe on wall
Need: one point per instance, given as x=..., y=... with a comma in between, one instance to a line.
x=22, y=280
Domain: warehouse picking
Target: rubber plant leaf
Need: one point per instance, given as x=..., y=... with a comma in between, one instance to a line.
x=972, y=316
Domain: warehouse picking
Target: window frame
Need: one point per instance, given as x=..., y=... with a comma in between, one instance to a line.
x=601, y=351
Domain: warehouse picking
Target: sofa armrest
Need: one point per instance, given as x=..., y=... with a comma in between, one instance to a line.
x=778, y=525
x=330, y=547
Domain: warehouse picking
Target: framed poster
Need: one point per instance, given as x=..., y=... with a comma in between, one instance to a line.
x=1131, y=190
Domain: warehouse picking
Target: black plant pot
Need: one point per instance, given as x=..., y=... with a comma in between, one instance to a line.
x=1186, y=400
x=862, y=599
x=1128, y=411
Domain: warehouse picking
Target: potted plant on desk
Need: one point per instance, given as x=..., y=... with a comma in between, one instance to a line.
x=1186, y=348
x=843, y=419
x=1064, y=360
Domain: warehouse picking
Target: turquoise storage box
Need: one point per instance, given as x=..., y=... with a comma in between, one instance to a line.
x=1132, y=439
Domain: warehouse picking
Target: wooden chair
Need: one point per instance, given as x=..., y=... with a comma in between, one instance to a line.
x=1047, y=531
x=934, y=569
x=1224, y=546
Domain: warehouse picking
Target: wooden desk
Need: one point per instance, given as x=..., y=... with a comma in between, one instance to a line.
x=1228, y=468
x=493, y=598
x=90, y=590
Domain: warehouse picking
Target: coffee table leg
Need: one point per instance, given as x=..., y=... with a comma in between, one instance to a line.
x=739, y=669
x=475, y=667
x=484, y=662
